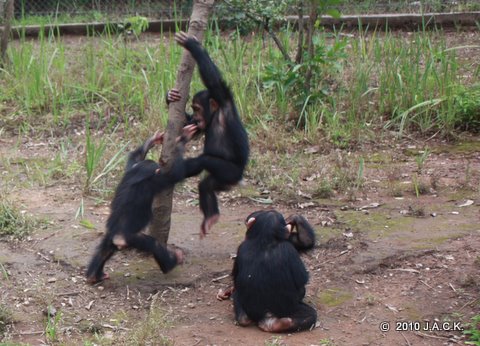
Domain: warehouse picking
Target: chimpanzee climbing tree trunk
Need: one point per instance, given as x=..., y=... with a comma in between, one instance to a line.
x=162, y=205
x=7, y=22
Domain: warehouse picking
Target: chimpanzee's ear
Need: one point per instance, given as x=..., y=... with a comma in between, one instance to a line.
x=289, y=227
x=213, y=105
x=250, y=222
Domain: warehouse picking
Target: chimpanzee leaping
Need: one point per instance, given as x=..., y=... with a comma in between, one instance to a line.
x=226, y=149
x=131, y=210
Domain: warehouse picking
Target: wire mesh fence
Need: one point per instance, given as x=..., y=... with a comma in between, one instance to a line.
x=100, y=8
x=64, y=11
x=408, y=6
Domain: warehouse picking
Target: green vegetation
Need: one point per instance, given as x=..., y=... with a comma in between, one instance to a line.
x=347, y=90
x=14, y=223
x=52, y=325
x=473, y=331
x=333, y=297
x=5, y=319
x=149, y=331
x=362, y=84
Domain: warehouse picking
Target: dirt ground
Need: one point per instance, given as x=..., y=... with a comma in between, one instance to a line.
x=410, y=263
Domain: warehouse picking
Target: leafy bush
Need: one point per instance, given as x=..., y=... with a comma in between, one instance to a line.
x=290, y=80
x=467, y=108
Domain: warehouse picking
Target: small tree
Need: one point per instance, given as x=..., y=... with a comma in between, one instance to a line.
x=162, y=206
x=300, y=74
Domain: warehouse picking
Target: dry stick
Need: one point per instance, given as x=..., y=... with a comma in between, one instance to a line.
x=406, y=340
x=40, y=332
x=220, y=278
x=423, y=282
x=66, y=294
x=433, y=336
x=162, y=205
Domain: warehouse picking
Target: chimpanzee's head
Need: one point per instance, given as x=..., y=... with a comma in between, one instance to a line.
x=267, y=224
x=203, y=109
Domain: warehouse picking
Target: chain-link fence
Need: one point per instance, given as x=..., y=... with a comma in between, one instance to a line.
x=112, y=10
x=408, y=6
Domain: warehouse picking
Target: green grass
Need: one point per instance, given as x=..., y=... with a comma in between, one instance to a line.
x=473, y=331
x=150, y=329
x=382, y=82
x=14, y=223
x=106, y=87
x=5, y=319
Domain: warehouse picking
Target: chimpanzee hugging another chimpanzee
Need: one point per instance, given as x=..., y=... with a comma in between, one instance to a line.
x=269, y=277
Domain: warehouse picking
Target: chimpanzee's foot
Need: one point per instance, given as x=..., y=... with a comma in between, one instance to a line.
x=176, y=257
x=243, y=320
x=93, y=280
x=179, y=255
x=208, y=223
x=275, y=325
x=225, y=294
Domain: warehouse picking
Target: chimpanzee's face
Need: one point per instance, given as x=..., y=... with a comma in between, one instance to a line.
x=198, y=116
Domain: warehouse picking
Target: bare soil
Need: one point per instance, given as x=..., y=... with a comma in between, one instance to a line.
x=378, y=259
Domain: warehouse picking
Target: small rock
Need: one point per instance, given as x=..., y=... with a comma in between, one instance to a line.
x=51, y=280
x=50, y=311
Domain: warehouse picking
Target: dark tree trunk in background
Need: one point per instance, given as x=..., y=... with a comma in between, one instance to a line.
x=310, y=47
x=162, y=205
x=299, y=56
x=7, y=23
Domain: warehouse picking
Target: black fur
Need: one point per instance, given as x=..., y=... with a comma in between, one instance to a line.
x=269, y=276
x=226, y=148
x=131, y=211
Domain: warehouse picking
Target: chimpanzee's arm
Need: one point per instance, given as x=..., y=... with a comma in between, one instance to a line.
x=209, y=72
x=304, y=237
x=173, y=95
x=136, y=156
x=141, y=152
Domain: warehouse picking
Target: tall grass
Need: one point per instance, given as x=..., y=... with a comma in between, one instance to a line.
x=400, y=82
x=406, y=83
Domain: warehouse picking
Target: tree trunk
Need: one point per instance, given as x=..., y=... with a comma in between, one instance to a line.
x=162, y=205
x=310, y=45
x=299, y=56
x=8, y=15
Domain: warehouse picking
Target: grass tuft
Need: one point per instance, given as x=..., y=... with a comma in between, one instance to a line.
x=13, y=222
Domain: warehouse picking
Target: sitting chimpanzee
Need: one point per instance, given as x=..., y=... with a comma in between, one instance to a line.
x=131, y=210
x=226, y=150
x=268, y=275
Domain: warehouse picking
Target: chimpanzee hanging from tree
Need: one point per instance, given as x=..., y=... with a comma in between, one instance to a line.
x=268, y=275
x=131, y=209
x=226, y=149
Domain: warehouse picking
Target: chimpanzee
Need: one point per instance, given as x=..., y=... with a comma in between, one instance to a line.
x=226, y=149
x=268, y=275
x=131, y=210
